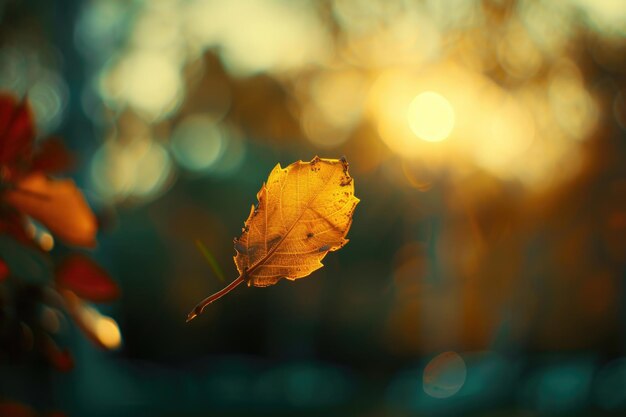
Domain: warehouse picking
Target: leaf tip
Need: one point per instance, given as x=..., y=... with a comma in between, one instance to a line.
x=345, y=163
x=192, y=315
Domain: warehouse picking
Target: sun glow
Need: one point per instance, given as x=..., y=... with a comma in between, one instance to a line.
x=431, y=117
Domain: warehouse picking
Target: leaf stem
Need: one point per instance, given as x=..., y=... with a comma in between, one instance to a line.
x=199, y=308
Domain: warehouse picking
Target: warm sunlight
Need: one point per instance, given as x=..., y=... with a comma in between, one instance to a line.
x=431, y=117
x=156, y=155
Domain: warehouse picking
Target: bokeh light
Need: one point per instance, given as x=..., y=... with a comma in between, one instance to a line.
x=198, y=142
x=431, y=117
x=572, y=106
x=48, y=98
x=334, y=108
x=102, y=329
x=99, y=28
x=25, y=73
x=108, y=332
x=141, y=169
x=46, y=241
x=444, y=375
x=258, y=35
x=148, y=81
x=111, y=171
x=152, y=171
x=608, y=16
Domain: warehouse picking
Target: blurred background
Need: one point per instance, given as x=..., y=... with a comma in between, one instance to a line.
x=486, y=264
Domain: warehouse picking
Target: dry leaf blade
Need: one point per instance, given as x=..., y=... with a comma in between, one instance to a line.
x=304, y=211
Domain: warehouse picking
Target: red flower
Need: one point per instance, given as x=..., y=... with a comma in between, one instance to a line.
x=25, y=188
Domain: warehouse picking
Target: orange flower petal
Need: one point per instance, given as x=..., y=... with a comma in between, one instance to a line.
x=58, y=205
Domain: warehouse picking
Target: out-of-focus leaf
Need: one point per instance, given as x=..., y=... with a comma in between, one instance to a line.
x=57, y=204
x=86, y=279
x=13, y=409
x=61, y=359
x=16, y=130
x=304, y=212
x=25, y=262
x=4, y=270
x=13, y=223
x=52, y=157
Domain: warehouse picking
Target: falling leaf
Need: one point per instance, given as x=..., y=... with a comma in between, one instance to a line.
x=86, y=279
x=57, y=204
x=304, y=212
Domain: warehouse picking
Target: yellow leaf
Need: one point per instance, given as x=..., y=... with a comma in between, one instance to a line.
x=304, y=212
x=58, y=205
